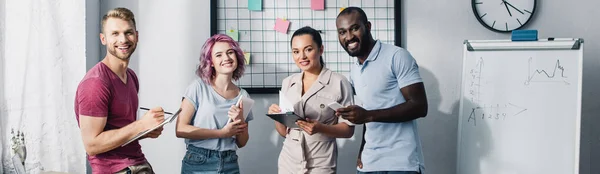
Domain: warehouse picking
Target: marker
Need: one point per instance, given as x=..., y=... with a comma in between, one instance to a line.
x=143, y=108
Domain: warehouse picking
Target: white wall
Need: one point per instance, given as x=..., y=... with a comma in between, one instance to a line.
x=41, y=68
x=434, y=33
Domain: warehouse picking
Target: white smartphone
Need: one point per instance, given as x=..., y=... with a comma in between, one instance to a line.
x=335, y=106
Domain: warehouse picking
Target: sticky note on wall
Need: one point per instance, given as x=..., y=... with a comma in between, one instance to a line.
x=255, y=5
x=247, y=57
x=234, y=34
x=317, y=4
x=282, y=25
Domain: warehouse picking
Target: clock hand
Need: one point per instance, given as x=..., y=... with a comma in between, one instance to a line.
x=507, y=8
x=506, y=2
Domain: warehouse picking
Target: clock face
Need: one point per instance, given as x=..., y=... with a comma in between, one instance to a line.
x=503, y=15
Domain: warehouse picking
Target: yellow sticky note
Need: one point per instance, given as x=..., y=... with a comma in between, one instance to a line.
x=342, y=9
x=247, y=57
x=233, y=34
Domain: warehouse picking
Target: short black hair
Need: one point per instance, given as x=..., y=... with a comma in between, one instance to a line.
x=361, y=14
x=316, y=36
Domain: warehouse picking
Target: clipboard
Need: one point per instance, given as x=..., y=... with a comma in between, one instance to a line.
x=167, y=120
x=288, y=119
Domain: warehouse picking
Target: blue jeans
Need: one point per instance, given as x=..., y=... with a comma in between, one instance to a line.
x=388, y=172
x=204, y=161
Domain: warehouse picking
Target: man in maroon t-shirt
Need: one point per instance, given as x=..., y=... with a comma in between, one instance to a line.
x=106, y=102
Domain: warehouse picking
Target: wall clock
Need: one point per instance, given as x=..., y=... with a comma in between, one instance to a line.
x=503, y=15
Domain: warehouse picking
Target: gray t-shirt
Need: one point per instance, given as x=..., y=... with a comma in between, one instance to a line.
x=211, y=113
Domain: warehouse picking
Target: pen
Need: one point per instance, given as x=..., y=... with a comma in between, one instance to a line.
x=143, y=108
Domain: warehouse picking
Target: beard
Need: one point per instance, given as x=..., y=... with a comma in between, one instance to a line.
x=123, y=56
x=361, y=48
x=355, y=52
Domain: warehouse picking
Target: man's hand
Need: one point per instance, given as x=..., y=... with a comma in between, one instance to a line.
x=359, y=163
x=309, y=126
x=153, y=117
x=154, y=134
x=354, y=114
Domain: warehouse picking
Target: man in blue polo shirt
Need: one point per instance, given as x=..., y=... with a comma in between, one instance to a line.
x=386, y=79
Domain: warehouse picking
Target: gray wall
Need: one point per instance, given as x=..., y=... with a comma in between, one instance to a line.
x=92, y=30
x=432, y=31
x=92, y=39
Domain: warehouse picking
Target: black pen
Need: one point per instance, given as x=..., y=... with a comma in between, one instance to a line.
x=143, y=108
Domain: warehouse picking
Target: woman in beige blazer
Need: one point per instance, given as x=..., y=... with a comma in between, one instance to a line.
x=311, y=147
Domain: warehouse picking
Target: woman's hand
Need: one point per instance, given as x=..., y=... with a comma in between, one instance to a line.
x=309, y=126
x=274, y=109
x=236, y=113
x=232, y=128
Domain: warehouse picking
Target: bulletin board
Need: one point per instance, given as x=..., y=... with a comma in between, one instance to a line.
x=252, y=23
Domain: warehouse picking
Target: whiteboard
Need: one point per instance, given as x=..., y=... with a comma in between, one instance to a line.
x=520, y=107
x=270, y=53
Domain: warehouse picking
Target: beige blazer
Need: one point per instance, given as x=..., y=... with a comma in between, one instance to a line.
x=317, y=153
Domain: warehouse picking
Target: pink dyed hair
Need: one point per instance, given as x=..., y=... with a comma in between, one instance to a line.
x=205, y=71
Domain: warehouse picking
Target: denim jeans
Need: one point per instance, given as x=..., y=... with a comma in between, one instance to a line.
x=388, y=172
x=204, y=161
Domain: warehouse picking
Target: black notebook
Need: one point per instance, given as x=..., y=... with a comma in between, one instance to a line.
x=288, y=119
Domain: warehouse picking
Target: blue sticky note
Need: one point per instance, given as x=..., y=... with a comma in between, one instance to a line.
x=255, y=5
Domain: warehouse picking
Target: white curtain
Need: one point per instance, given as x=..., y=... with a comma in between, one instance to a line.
x=42, y=64
x=2, y=110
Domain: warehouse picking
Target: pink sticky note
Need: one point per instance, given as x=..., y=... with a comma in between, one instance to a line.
x=282, y=25
x=317, y=4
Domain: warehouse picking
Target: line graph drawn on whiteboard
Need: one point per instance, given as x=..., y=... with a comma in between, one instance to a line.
x=556, y=75
x=496, y=111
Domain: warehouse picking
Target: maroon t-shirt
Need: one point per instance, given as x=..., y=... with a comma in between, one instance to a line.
x=102, y=94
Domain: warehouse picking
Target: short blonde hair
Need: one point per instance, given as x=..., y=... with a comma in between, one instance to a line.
x=119, y=13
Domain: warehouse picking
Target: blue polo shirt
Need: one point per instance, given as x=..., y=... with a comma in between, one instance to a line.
x=377, y=83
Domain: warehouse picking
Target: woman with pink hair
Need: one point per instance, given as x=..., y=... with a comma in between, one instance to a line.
x=208, y=104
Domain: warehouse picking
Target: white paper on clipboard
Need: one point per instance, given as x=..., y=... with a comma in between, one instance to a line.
x=141, y=134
